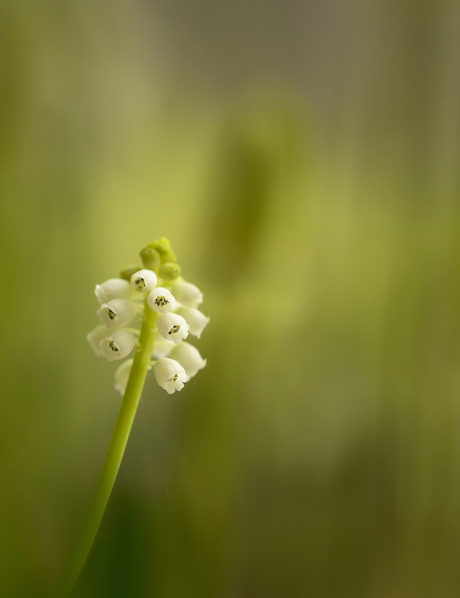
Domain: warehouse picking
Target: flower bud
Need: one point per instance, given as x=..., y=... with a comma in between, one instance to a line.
x=117, y=345
x=172, y=327
x=115, y=313
x=196, y=320
x=169, y=271
x=122, y=375
x=163, y=247
x=189, y=357
x=144, y=280
x=170, y=375
x=127, y=272
x=150, y=258
x=187, y=293
x=161, y=300
x=114, y=288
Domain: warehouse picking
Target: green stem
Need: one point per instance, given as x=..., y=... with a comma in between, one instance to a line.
x=115, y=453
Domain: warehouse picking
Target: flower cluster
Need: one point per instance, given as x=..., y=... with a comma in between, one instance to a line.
x=157, y=286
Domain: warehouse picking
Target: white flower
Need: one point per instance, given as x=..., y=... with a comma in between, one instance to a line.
x=196, y=320
x=172, y=327
x=117, y=345
x=189, y=357
x=187, y=293
x=161, y=300
x=162, y=347
x=144, y=280
x=95, y=336
x=122, y=375
x=170, y=375
x=114, y=288
x=117, y=312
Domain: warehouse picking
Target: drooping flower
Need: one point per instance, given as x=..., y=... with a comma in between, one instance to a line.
x=187, y=293
x=162, y=347
x=114, y=288
x=189, y=357
x=117, y=345
x=161, y=300
x=115, y=313
x=196, y=320
x=122, y=375
x=169, y=374
x=172, y=327
x=144, y=280
x=95, y=336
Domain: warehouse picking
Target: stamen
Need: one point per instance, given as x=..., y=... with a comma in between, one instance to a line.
x=174, y=329
x=161, y=301
x=113, y=346
x=112, y=314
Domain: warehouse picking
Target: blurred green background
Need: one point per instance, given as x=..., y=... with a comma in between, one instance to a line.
x=303, y=158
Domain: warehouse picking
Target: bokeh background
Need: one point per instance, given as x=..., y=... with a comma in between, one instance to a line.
x=303, y=158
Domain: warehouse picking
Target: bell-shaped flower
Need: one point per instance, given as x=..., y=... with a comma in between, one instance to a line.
x=115, y=313
x=144, y=280
x=117, y=345
x=170, y=375
x=187, y=293
x=95, y=337
x=172, y=327
x=122, y=375
x=114, y=288
x=189, y=357
x=196, y=320
x=161, y=300
x=162, y=347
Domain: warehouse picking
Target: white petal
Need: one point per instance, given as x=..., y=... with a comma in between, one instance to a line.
x=117, y=345
x=162, y=347
x=144, y=280
x=169, y=374
x=114, y=288
x=172, y=327
x=117, y=312
x=196, y=320
x=95, y=337
x=122, y=375
x=187, y=293
x=161, y=300
x=189, y=357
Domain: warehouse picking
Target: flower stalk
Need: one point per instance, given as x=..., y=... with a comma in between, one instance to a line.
x=140, y=294
x=118, y=442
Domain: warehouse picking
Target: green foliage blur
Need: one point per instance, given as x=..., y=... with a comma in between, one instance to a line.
x=303, y=159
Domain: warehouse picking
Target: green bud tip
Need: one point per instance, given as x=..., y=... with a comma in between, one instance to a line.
x=150, y=258
x=163, y=247
x=169, y=271
x=127, y=272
